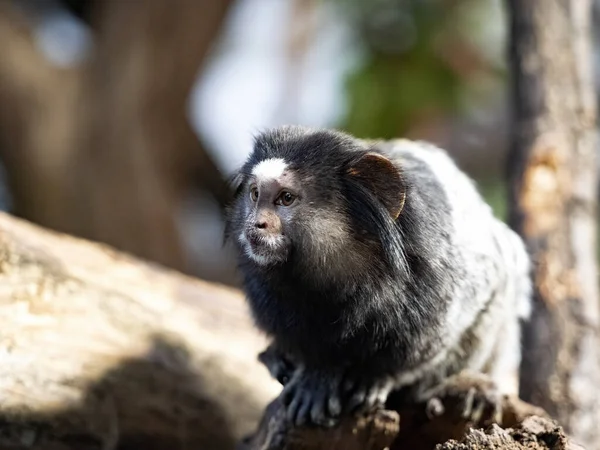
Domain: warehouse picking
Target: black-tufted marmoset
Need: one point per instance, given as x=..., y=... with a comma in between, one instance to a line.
x=373, y=266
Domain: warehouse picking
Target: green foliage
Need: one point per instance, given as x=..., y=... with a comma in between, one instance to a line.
x=415, y=65
x=389, y=94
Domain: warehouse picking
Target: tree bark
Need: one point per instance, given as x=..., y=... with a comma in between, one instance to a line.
x=553, y=180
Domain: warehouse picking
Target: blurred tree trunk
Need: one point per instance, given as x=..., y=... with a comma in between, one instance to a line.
x=139, y=146
x=37, y=101
x=553, y=176
x=105, y=150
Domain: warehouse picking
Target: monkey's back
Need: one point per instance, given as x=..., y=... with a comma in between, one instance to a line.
x=491, y=286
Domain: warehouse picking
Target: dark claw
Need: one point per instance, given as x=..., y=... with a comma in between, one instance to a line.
x=317, y=410
x=289, y=393
x=293, y=408
x=334, y=405
x=303, y=412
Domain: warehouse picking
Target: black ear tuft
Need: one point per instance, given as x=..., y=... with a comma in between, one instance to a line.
x=235, y=183
x=379, y=175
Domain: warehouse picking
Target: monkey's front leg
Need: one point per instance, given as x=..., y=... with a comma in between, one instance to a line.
x=313, y=398
x=322, y=397
x=280, y=366
x=363, y=392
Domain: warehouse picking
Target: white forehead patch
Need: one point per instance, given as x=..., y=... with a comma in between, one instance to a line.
x=269, y=169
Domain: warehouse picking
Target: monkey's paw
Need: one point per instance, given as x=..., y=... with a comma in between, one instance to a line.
x=364, y=393
x=474, y=398
x=280, y=367
x=313, y=398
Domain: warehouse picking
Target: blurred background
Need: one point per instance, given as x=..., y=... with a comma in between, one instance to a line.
x=121, y=119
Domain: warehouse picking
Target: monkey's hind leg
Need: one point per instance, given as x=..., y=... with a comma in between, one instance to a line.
x=470, y=396
x=477, y=394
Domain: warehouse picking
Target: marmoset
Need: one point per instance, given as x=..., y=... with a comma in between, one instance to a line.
x=373, y=266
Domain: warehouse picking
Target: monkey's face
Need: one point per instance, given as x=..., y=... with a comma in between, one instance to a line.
x=269, y=200
x=317, y=200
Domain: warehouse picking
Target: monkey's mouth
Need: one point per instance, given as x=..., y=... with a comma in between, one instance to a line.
x=255, y=241
x=264, y=249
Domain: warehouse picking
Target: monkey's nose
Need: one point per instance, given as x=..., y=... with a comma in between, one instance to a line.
x=267, y=222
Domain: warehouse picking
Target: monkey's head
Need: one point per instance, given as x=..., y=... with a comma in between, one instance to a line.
x=319, y=199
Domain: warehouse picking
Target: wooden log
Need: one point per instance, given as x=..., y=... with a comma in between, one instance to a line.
x=522, y=426
x=101, y=351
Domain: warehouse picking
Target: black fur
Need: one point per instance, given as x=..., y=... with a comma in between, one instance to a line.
x=376, y=316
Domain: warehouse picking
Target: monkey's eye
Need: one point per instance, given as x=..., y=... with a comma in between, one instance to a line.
x=286, y=198
x=253, y=193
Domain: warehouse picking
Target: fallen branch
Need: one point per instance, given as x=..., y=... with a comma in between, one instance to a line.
x=100, y=351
